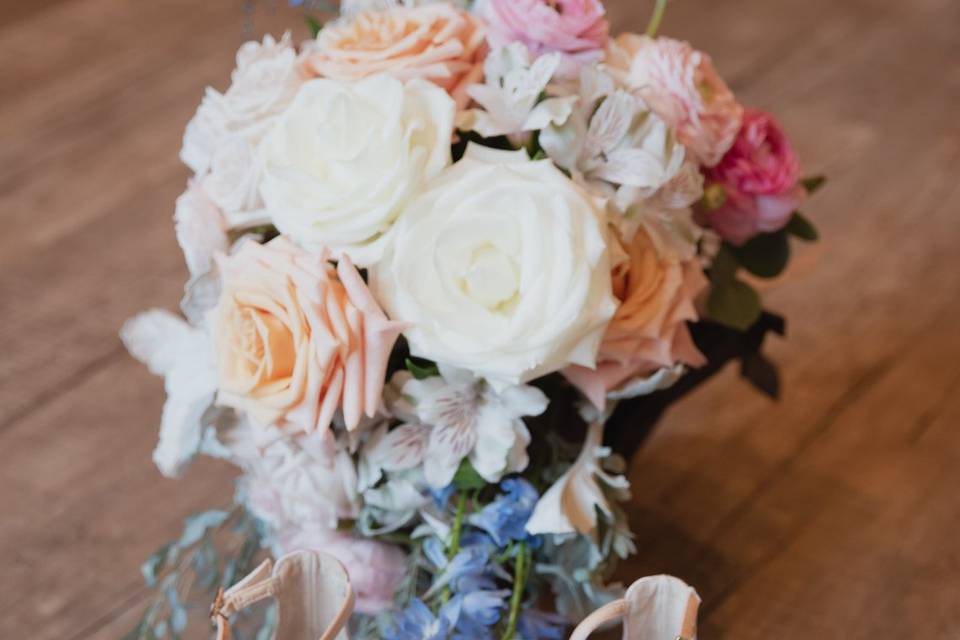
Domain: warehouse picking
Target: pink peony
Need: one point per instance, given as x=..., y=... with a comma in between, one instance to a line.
x=298, y=339
x=575, y=28
x=759, y=176
x=682, y=87
x=375, y=568
x=649, y=331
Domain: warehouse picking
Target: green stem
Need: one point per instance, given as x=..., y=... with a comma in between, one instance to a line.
x=454, y=547
x=656, y=18
x=519, y=584
x=455, y=531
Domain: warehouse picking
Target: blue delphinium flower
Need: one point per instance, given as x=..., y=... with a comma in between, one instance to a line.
x=505, y=519
x=417, y=621
x=480, y=610
x=467, y=571
x=540, y=625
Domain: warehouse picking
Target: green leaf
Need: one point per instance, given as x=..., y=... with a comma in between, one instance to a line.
x=765, y=255
x=813, y=183
x=725, y=264
x=802, y=228
x=313, y=25
x=467, y=478
x=421, y=372
x=734, y=303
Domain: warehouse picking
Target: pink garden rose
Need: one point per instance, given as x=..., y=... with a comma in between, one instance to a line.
x=576, y=29
x=297, y=339
x=682, y=86
x=649, y=331
x=436, y=42
x=375, y=568
x=759, y=176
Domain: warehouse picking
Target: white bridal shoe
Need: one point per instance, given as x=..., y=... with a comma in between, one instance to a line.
x=313, y=594
x=654, y=608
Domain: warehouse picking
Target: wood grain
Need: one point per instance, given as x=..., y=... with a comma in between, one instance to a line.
x=831, y=514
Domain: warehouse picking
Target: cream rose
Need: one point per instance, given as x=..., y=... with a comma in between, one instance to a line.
x=297, y=340
x=501, y=267
x=344, y=159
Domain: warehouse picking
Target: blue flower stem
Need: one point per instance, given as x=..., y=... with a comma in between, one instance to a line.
x=455, y=532
x=654, y=25
x=519, y=584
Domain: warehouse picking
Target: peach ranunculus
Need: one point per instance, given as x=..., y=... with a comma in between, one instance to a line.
x=682, y=86
x=297, y=339
x=656, y=289
x=437, y=42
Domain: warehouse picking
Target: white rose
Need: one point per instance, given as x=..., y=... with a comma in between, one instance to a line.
x=344, y=159
x=220, y=141
x=500, y=268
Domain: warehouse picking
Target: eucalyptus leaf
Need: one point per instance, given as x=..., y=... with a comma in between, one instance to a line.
x=734, y=303
x=725, y=264
x=765, y=255
x=154, y=565
x=197, y=525
x=802, y=228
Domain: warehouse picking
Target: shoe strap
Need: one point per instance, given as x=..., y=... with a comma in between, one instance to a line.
x=257, y=586
x=607, y=613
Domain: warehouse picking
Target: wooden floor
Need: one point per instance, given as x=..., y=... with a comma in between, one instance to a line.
x=832, y=514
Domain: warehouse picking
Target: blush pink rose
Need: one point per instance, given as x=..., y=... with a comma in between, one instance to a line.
x=436, y=42
x=375, y=568
x=649, y=330
x=760, y=177
x=297, y=339
x=682, y=86
x=577, y=29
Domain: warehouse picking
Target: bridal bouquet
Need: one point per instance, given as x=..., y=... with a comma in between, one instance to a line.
x=431, y=250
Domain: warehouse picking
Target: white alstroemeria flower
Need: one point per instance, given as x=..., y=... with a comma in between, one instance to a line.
x=662, y=378
x=468, y=419
x=614, y=142
x=510, y=94
x=183, y=355
x=667, y=215
x=391, y=451
x=570, y=505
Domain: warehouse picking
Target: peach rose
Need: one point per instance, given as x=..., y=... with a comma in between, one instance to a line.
x=682, y=86
x=297, y=339
x=436, y=42
x=649, y=331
